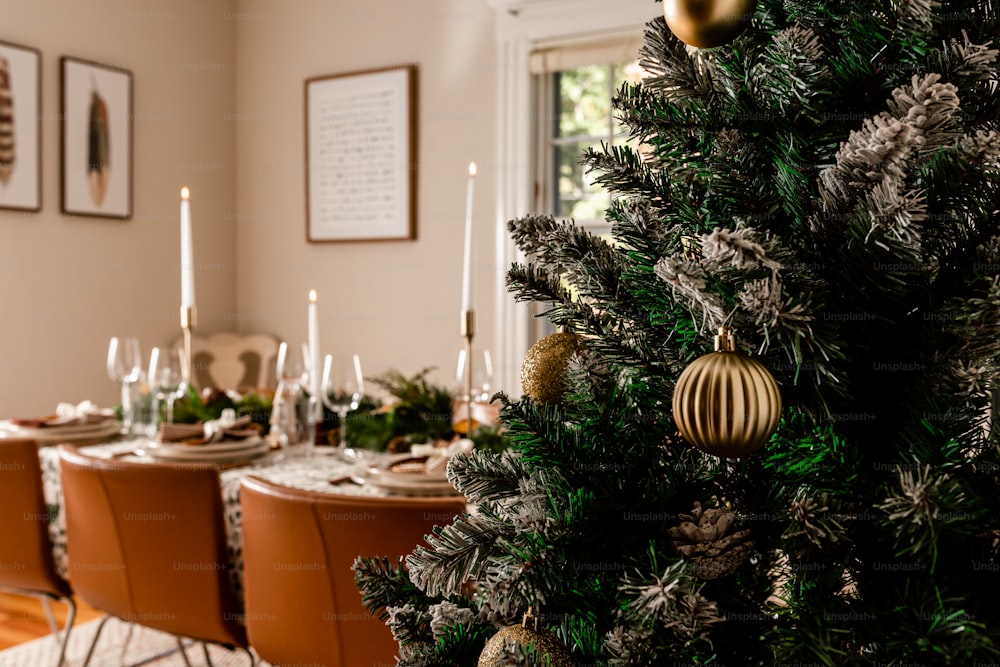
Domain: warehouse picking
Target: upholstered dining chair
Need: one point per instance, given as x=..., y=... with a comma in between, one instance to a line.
x=302, y=606
x=25, y=547
x=146, y=544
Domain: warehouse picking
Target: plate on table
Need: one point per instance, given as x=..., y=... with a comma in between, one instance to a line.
x=407, y=469
x=47, y=435
x=405, y=475
x=217, y=452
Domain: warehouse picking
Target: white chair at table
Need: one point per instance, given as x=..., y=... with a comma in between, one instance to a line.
x=230, y=360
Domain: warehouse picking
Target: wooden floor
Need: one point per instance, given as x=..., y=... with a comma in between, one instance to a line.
x=22, y=618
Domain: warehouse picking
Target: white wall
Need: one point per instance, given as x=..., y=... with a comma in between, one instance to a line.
x=68, y=284
x=396, y=303
x=219, y=107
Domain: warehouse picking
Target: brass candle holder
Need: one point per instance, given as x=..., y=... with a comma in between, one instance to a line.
x=468, y=332
x=189, y=318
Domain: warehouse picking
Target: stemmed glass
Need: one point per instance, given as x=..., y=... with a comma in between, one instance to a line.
x=292, y=372
x=165, y=377
x=125, y=368
x=342, y=390
x=482, y=377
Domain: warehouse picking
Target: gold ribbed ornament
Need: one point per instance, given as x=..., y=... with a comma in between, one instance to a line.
x=543, y=373
x=725, y=403
x=547, y=645
x=708, y=23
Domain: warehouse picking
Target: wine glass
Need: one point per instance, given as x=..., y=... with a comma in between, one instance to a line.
x=165, y=378
x=292, y=368
x=292, y=373
x=482, y=377
x=342, y=389
x=125, y=368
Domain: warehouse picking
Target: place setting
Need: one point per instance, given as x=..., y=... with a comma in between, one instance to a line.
x=76, y=423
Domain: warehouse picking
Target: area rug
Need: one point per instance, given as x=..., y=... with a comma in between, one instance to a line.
x=145, y=647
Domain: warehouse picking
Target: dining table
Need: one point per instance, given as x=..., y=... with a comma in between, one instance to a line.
x=323, y=469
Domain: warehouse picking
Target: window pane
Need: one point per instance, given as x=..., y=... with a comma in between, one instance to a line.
x=584, y=104
x=625, y=72
x=578, y=197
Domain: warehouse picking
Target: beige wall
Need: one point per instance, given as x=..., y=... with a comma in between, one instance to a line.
x=218, y=107
x=396, y=303
x=68, y=284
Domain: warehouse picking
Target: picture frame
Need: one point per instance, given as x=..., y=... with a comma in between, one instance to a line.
x=20, y=132
x=361, y=155
x=96, y=139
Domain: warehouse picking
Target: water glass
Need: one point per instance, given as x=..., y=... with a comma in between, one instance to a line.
x=124, y=366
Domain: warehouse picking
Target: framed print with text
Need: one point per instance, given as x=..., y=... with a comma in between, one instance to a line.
x=96, y=139
x=20, y=135
x=361, y=155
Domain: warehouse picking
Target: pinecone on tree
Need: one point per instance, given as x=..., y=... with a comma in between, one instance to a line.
x=707, y=539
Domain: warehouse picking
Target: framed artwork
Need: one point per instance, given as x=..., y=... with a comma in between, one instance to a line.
x=96, y=139
x=361, y=155
x=20, y=135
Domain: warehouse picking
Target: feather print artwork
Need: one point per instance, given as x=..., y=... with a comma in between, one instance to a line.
x=98, y=156
x=7, y=152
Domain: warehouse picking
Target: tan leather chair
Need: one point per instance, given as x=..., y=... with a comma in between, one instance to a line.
x=302, y=605
x=146, y=543
x=25, y=547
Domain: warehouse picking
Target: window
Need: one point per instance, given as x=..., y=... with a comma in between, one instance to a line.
x=574, y=114
x=535, y=40
x=574, y=87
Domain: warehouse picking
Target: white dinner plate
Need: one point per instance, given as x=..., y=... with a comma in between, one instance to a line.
x=384, y=473
x=53, y=434
x=411, y=488
x=246, y=449
x=209, y=448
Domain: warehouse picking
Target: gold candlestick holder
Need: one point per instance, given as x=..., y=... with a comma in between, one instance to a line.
x=468, y=332
x=189, y=318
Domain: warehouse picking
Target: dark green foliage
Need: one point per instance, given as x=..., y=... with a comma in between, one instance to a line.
x=828, y=186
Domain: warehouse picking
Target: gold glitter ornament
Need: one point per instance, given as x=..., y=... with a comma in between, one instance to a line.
x=543, y=373
x=725, y=403
x=546, y=644
x=707, y=23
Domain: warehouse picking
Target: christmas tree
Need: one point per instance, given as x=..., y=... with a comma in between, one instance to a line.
x=824, y=187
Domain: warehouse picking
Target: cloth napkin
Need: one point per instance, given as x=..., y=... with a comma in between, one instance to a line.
x=68, y=414
x=226, y=427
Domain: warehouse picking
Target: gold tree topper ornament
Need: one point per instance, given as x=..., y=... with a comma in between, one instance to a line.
x=725, y=403
x=708, y=23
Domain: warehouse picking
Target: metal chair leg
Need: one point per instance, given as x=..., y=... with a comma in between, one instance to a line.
x=67, y=628
x=184, y=655
x=49, y=616
x=93, y=643
x=208, y=658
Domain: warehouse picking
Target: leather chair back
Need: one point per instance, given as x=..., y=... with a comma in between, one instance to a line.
x=25, y=548
x=302, y=605
x=146, y=543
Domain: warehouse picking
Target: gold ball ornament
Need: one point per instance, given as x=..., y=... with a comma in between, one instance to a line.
x=543, y=373
x=725, y=403
x=708, y=23
x=546, y=644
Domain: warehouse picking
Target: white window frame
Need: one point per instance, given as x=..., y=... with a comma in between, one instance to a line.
x=522, y=26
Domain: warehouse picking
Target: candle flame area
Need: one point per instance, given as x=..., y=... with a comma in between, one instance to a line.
x=472, y=169
x=312, y=295
x=185, y=193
